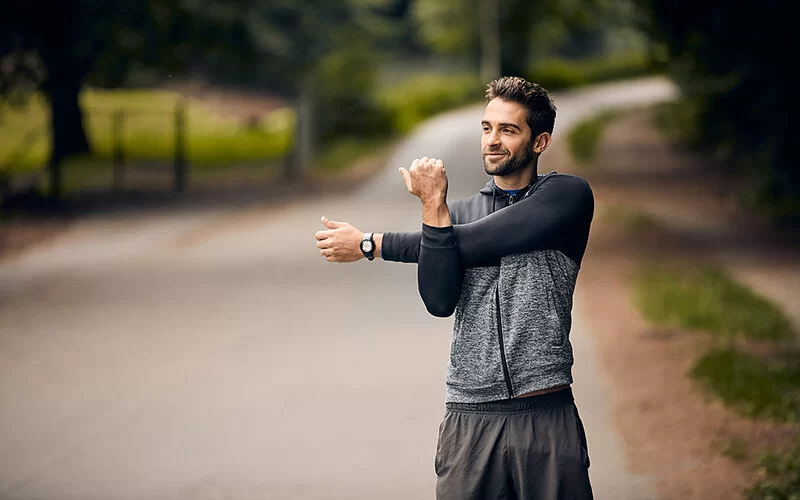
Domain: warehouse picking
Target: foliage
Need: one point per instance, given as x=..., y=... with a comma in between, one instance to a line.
x=347, y=103
x=584, y=136
x=417, y=98
x=757, y=387
x=283, y=44
x=705, y=298
x=678, y=120
x=530, y=31
x=731, y=67
x=559, y=73
x=780, y=475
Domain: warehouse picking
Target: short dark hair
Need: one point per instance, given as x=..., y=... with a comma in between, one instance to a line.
x=532, y=96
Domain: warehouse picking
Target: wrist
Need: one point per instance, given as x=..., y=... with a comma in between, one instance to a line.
x=434, y=202
x=378, y=238
x=436, y=215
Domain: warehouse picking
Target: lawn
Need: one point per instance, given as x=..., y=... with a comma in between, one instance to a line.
x=148, y=130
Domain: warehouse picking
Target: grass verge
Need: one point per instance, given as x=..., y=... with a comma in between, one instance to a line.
x=705, y=298
x=628, y=219
x=756, y=386
x=779, y=475
x=584, y=137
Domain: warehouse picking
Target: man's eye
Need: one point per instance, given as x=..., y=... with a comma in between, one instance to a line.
x=508, y=131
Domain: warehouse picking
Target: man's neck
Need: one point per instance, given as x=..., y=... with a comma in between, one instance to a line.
x=517, y=180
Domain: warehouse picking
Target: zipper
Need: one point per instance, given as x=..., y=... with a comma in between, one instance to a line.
x=502, y=347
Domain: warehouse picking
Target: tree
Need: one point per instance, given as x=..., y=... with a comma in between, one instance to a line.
x=67, y=40
x=279, y=43
x=732, y=68
x=501, y=35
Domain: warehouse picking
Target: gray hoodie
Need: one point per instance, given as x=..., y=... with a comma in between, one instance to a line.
x=507, y=268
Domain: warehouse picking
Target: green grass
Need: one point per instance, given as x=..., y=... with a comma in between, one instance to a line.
x=555, y=74
x=149, y=130
x=705, y=298
x=632, y=220
x=341, y=155
x=420, y=97
x=761, y=388
x=779, y=475
x=584, y=137
x=735, y=449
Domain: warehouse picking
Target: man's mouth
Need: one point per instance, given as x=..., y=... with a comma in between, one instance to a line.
x=494, y=155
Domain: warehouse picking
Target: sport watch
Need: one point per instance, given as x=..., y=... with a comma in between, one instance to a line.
x=368, y=246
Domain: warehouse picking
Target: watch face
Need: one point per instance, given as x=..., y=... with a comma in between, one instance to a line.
x=366, y=246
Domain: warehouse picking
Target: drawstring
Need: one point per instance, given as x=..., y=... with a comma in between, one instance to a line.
x=494, y=194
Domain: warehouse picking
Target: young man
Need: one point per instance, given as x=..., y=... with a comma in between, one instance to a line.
x=506, y=261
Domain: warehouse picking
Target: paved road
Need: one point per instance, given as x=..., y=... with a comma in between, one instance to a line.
x=215, y=355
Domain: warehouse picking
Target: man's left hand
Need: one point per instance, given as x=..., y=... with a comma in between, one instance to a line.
x=426, y=179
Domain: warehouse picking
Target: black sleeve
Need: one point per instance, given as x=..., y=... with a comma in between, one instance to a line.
x=401, y=247
x=557, y=216
x=439, y=272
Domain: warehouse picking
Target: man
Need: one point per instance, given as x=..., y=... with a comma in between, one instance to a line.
x=506, y=262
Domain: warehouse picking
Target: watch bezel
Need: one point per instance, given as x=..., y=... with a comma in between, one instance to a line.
x=367, y=240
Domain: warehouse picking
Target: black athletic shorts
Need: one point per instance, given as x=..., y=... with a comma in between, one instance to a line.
x=524, y=448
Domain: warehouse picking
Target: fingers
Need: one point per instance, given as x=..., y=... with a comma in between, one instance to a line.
x=406, y=177
x=328, y=254
x=327, y=243
x=322, y=235
x=330, y=224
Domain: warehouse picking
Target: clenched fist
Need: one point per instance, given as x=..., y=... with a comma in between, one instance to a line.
x=426, y=179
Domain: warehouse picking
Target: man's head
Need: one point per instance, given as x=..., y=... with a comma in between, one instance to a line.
x=517, y=123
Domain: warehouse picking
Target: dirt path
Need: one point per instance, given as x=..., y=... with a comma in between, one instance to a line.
x=673, y=432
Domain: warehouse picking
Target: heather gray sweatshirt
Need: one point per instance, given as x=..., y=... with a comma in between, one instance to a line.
x=507, y=268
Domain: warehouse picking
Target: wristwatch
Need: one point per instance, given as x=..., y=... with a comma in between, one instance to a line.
x=368, y=246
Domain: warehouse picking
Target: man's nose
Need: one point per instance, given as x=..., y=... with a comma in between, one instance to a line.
x=493, y=139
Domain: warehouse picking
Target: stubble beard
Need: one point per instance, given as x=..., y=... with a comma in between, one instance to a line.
x=510, y=165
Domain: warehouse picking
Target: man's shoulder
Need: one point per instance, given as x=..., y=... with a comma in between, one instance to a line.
x=569, y=181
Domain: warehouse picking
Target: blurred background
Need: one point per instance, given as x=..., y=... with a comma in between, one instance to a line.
x=163, y=167
x=91, y=93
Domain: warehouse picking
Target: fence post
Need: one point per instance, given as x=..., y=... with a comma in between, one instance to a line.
x=180, y=147
x=118, y=155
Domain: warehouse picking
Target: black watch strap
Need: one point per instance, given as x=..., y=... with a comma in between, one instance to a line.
x=368, y=246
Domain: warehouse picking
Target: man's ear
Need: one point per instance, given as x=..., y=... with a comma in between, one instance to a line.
x=541, y=142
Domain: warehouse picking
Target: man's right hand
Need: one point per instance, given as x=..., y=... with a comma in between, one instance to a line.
x=341, y=242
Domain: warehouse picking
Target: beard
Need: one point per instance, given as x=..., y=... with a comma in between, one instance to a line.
x=510, y=164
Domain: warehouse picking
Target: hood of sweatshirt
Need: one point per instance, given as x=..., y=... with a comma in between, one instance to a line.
x=497, y=193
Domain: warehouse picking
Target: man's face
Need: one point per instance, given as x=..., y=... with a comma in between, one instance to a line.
x=506, y=143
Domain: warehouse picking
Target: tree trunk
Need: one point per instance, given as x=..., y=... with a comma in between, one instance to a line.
x=66, y=126
x=517, y=19
x=303, y=152
x=490, y=39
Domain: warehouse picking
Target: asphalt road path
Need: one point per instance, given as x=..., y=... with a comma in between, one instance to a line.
x=216, y=355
